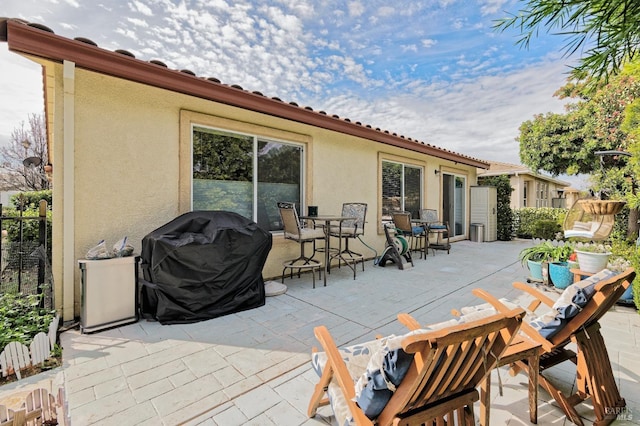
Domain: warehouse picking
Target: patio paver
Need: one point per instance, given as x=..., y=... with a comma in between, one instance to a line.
x=252, y=367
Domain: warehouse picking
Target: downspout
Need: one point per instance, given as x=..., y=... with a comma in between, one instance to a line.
x=68, y=210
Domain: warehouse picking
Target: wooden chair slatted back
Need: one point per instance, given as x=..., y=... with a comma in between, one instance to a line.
x=451, y=361
x=607, y=293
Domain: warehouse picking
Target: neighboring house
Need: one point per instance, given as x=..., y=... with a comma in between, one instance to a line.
x=5, y=197
x=571, y=195
x=134, y=144
x=530, y=189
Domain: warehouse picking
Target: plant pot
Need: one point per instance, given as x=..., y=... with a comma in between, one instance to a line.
x=560, y=275
x=535, y=269
x=592, y=262
x=627, y=296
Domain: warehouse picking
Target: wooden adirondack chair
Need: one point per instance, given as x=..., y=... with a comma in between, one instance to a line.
x=446, y=366
x=594, y=376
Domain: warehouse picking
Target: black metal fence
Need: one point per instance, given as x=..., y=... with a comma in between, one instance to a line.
x=24, y=260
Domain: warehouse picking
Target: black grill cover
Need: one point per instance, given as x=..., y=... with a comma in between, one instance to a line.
x=202, y=265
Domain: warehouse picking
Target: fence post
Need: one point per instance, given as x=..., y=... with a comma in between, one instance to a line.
x=21, y=239
x=42, y=242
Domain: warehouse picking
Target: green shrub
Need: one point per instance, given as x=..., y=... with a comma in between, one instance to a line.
x=629, y=251
x=31, y=199
x=546, y=229
x=30, y=228
x=21, y=318
x=525, y=219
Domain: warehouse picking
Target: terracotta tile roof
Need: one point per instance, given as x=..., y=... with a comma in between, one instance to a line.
x=497, y=168
x=39, y=40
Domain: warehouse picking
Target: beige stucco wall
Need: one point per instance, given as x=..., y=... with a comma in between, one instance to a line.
x=132, y=165
x=518, y=183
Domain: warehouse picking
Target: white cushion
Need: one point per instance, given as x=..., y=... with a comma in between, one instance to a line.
x=346, y=230
x=569, y=233
x=356, y=358
x=581, y=226
x=307, y=234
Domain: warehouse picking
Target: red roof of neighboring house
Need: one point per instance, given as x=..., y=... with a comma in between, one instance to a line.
x=39, y=40
x=497, y=168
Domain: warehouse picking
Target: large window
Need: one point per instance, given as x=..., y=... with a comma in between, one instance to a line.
x=542, y=194
x=401, y=189
x=245, y=174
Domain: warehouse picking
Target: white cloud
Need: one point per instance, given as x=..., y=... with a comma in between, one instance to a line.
x=21, y=91
x=457, y=24
x=428, y=42
x=138, y=22
x=140, y=7
x=356, y=8
x=386, y=11
x=477, y=117
x=491, y=6
x=403, y=67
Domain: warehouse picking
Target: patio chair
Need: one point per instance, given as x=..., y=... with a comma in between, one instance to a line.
x=416, y=234
x=435, y=226
x=350, y=230
x=293, y=230
x=590, y=219
x=423, y=377
x=573, y=318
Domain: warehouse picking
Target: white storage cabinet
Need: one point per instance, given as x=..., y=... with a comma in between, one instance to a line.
x=484, y=210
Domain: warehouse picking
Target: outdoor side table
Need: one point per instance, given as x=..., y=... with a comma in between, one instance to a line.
x=327, y=219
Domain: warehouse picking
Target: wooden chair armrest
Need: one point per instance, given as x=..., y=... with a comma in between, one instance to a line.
x=408, y=321
x=492, y=300
x=340, y=373
x=524, y=327
x=534, y=335
x=535, y=294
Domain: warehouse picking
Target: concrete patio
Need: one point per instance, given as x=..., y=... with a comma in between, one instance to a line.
x=252, y=368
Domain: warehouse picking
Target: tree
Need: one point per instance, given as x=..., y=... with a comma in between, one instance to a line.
x=567, y=143
x=597, y=121
x=608, y=31
x=24, y=159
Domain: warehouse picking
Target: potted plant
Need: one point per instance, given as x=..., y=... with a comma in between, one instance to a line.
x=533, y=257
x=592, y=257
x=559, y=271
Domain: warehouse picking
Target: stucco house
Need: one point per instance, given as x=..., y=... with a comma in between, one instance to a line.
x=530, y=189
x=133, y=144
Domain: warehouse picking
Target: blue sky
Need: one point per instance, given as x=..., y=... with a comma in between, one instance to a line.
x=435, y=71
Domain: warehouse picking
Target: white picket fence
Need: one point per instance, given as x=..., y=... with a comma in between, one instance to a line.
x=38, y=408
x=16, y=356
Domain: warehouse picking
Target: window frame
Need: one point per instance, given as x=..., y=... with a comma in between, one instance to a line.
x=189, y=120
x=405, y=162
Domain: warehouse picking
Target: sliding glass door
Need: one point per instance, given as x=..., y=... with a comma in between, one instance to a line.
x=454, y=201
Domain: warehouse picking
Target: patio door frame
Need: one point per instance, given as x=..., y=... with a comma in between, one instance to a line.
x=454, y=203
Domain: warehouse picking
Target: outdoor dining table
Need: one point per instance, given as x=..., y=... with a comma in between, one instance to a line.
x=328, y=219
